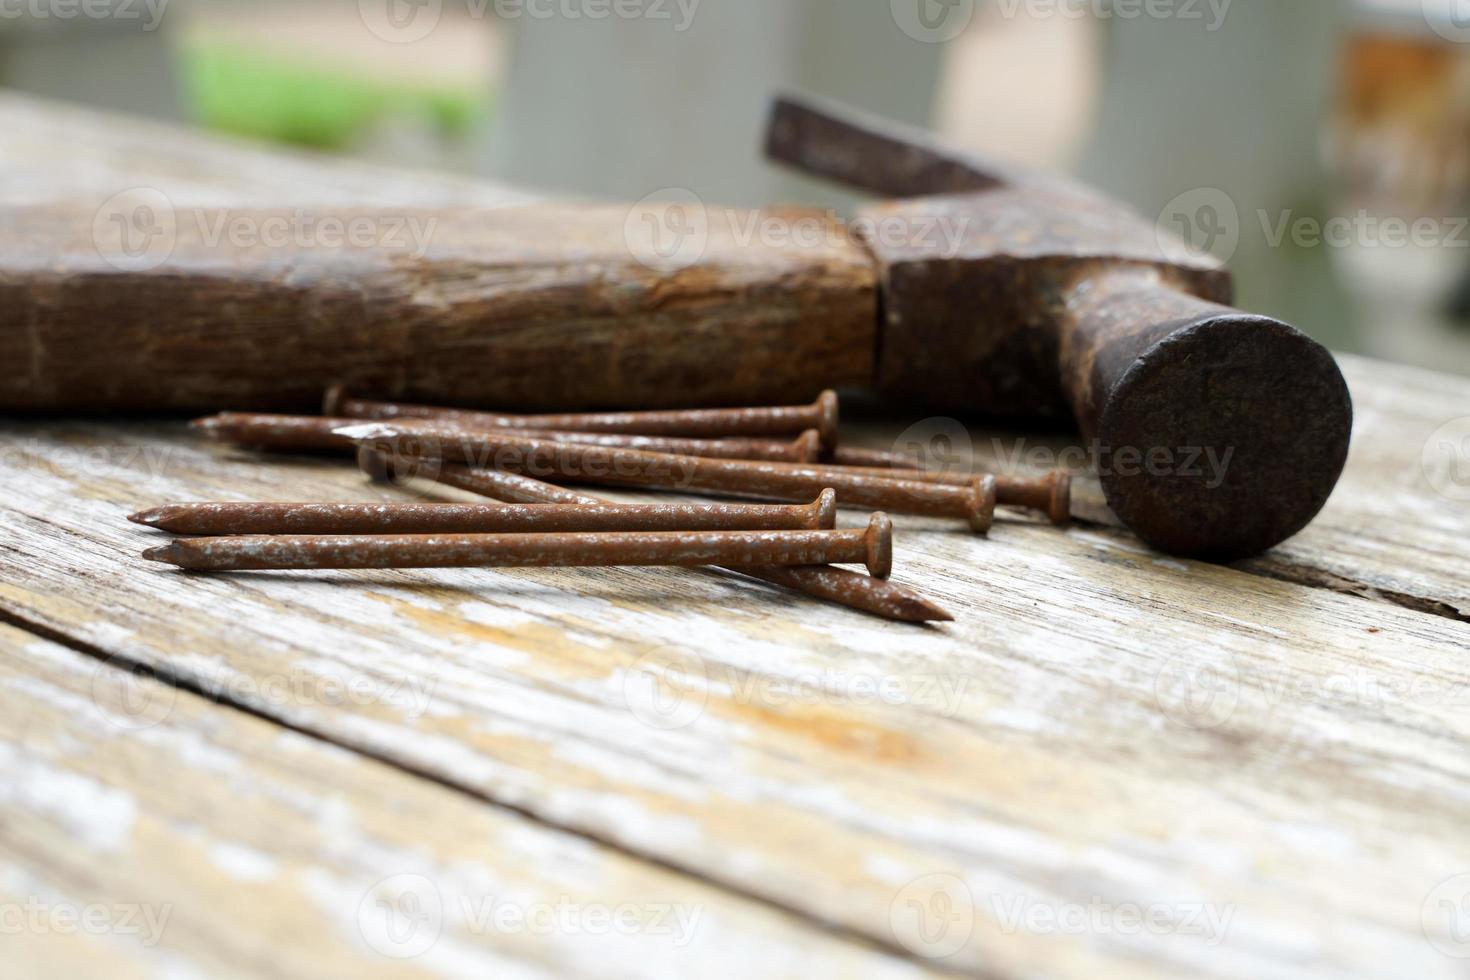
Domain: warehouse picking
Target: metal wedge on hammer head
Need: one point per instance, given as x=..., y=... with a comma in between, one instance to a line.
x=1216, y=433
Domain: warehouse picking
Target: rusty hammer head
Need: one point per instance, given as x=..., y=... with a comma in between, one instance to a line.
x=1217, y=434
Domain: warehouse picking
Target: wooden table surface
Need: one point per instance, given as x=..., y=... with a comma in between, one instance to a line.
x=1113, y=763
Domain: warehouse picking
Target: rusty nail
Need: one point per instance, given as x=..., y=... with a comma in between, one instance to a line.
x=854, y=590
x=221, y=519
x=805, y=448
x=974, y=502
x=872, y=547
x=316, y=432
x=707, y=423
x=871, y=458
x=280, y=432
x=382, y=467
x=840, y=585
x=1050, y=494
x=493, y=483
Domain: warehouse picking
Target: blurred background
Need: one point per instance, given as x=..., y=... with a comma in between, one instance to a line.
x=1320, y=145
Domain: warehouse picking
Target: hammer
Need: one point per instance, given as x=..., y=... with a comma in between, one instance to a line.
x=1049, y=296
x=1047, y=299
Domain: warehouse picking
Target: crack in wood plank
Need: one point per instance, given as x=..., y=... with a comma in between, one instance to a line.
x=1321, y=578
x=1282, y=569
x=309, y=831
x=156, y=673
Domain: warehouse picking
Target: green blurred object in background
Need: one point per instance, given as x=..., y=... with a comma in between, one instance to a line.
x=236, y=90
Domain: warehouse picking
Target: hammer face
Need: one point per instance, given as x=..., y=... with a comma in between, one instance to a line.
x=1225, y=438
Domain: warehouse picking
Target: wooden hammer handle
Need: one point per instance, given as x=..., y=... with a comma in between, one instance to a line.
x=164, y=308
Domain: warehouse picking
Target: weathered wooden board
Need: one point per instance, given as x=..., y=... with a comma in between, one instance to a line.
x=1388, y=532
x=1392, y=529
x=132, y=811
x=1114, y=764
x=1102, y=727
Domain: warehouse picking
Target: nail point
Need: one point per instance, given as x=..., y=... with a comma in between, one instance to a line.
x=935, y=614
x=164, y=553
x=914, y=608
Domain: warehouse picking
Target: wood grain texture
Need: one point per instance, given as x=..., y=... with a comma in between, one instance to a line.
x=1268, y=761
x=188, y=834
x=1277, y=770
x=524, y=308
x=579, y=312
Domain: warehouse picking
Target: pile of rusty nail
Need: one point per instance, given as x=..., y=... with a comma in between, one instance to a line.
x=788, y=454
